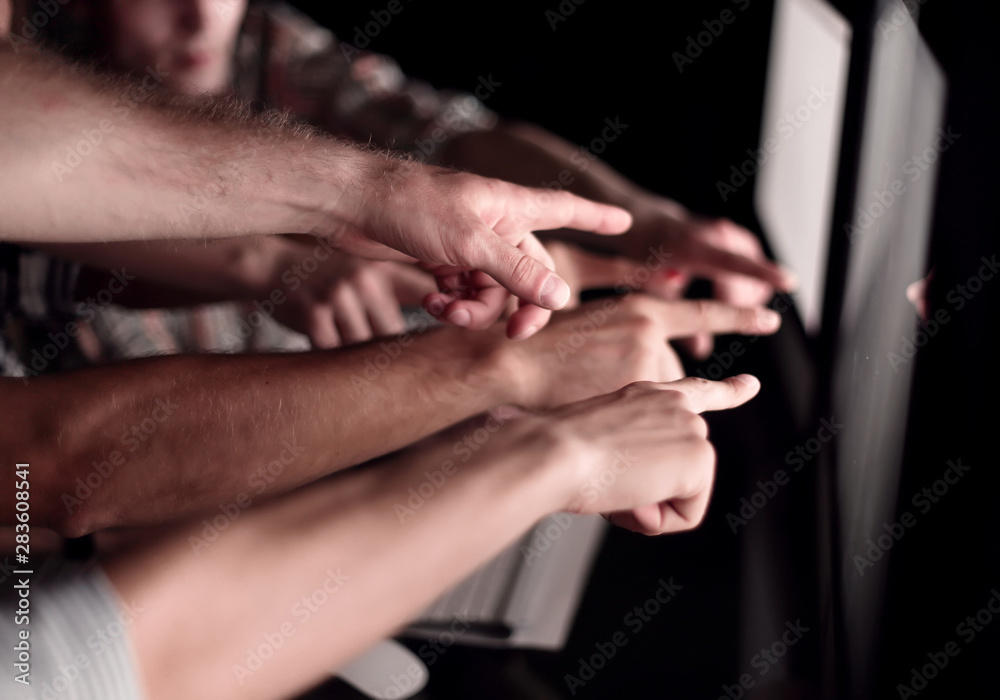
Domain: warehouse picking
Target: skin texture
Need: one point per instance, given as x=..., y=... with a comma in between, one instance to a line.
x=284, y=548
x=716, y=249
x=169, y=168
x=315, y=413
x=332, y=298
x=191, y=41
x=269, y=558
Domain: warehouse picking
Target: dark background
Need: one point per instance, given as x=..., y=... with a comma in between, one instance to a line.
x=686, y=128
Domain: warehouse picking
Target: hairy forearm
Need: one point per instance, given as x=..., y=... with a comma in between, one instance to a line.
x=341, y=541
x=149, y=440
x=92, y=158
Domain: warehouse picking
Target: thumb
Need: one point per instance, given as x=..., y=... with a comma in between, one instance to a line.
x=523, y=271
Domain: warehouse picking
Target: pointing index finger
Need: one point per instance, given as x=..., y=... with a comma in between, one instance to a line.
x=683, y=319
x=706, y=395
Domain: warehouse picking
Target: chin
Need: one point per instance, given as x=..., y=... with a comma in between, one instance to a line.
x=199, y=82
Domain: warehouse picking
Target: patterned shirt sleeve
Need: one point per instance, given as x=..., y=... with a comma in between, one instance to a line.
x=291, y=63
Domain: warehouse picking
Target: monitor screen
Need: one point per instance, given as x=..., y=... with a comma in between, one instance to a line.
x=800, y=140
x=880, y=329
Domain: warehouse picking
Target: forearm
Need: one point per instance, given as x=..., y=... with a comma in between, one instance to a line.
x=341, y=542
x=90, y=158
x=149, y=440
x=183, y=273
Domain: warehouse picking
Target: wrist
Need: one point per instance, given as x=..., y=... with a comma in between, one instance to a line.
x=330, y=179
x=514, y=364
x=552, y=460
x=492, y=364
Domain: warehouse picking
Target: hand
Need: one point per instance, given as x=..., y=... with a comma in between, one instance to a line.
x=608, y=343
x=719, y=250
x=348, y=299
x=584, y=270
x=642, y=454
x=473, y=234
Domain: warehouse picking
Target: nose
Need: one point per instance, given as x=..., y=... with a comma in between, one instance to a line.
x=193, y=16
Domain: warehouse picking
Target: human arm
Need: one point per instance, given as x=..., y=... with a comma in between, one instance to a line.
x=161, y=166
x=717, y=249
x=192, y=433
x=525, y=153
x=331, y=569
x=331, y=297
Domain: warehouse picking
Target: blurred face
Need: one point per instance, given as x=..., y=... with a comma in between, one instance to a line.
x=190, y=40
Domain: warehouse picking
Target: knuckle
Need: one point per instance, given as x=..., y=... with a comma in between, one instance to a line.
x=639, y=388
x=703, y=458
x=696, y=424
x=523, y=271
x=467, y=247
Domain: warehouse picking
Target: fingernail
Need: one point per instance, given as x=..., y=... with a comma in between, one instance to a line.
x=460, y=317
x=768, y=319
x=526, y=333
x=555, y=293
x=748, y=379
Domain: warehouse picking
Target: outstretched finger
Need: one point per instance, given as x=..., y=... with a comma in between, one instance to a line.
x=706, y=395
x=685, y=319
x=544, y=209
x=713, y=262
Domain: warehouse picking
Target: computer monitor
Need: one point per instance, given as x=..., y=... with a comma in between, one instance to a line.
x=800, y=141
x=878, y=329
